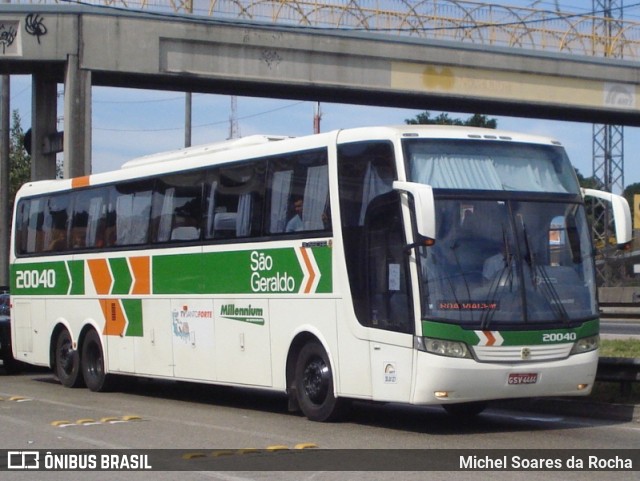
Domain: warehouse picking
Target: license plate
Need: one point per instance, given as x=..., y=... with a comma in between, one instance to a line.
x=523, y=378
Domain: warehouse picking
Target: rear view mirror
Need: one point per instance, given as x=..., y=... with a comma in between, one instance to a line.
x=424, y=207
x=621, y=213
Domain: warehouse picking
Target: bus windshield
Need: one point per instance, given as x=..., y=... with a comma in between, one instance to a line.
x=490, y=165
x=519, y=254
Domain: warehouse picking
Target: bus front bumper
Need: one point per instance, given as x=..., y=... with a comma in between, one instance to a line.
x=442, y=380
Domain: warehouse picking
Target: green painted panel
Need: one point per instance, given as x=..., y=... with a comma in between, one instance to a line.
x=121, y=276
x=133, y=309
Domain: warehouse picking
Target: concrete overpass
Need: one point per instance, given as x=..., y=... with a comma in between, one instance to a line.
x=86, y=46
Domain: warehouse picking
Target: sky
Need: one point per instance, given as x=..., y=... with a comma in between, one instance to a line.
x=129, y=123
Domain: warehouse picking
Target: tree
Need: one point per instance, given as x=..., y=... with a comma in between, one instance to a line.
x=476, y=120
x=19, y=159
x=586, y=182
x=629, y=192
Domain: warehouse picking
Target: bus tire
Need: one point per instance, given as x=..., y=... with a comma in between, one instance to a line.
x=92, y=363
x=465, y=411
x=67, y=361
x=314, y=385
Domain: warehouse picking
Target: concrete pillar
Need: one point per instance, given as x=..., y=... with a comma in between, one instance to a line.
x=5, y=213
x=43, y=125
x=77, y=120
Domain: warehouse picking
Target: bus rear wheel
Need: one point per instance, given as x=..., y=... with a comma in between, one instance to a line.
x=67, y=361
x=314, y=385
x=92, y=363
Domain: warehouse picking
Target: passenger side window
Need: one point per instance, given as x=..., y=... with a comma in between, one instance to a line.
x=132, y=207
x=56, y=223
x=88, y=219
x=235, y=200
x=177, y=208
x=299, y=194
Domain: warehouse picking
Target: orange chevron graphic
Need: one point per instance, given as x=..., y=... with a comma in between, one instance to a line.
x=140, y=268
x=101, y=276
x=490, y=338
x=312, y=273
x=115, y=319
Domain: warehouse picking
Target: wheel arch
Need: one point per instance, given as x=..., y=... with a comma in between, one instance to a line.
x=61, y=325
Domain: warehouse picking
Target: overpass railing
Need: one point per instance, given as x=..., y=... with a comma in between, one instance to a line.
x=578, y=32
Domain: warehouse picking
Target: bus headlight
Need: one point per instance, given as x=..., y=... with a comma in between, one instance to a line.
x=586, y=344
x=442, y=347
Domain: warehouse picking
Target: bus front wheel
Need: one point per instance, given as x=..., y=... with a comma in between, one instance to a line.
x=314, y=385
x=67, y=361
x=92, y=363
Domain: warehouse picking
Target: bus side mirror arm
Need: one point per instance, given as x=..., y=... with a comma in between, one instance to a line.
x=621, y=213
x=424, y=206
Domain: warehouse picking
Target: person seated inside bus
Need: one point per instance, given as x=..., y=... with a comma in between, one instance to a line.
x=58, y=240
x=78, y=237
x=295, y=224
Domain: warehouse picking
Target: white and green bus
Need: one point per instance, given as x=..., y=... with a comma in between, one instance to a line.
x=417, y=264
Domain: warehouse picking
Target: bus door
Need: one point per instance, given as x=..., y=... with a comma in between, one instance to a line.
x=389, y=312
x=377, y=266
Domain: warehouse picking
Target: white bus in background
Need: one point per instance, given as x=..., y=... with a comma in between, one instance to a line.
x=417, y=264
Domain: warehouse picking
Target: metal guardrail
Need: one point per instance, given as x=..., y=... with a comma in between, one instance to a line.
x=616, y=369
x=620, y=310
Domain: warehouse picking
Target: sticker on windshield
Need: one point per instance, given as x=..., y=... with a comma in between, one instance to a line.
x=468, y=306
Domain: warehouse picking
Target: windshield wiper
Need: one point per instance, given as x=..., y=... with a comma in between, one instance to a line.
x=504, y=278
x=540, y=278
x=454, y=248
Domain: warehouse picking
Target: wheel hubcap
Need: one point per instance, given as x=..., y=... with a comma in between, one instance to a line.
x=66, y=356
x=316, y=380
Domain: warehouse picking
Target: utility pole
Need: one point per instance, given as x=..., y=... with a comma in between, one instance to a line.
x=187, y=119
x=234, y=128
x=5, y=165
x=608, y=140
x=188, y=97
x=317, y=116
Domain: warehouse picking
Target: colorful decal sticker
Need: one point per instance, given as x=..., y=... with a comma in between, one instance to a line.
x=182, y=317
x=390, y=373
x=468, y=306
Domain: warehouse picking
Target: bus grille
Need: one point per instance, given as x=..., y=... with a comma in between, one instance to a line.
x=522, y=353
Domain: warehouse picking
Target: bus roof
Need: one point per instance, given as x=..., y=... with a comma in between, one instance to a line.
x=199, y=150
x=235, y=150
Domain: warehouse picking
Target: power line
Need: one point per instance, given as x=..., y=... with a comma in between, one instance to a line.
x=210, y=124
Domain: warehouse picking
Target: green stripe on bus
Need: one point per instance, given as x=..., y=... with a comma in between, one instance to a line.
x=260, y=271
x=452, y=332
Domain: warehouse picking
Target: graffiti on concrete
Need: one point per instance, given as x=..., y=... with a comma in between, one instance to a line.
x=34, y=25
x=8, y=35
